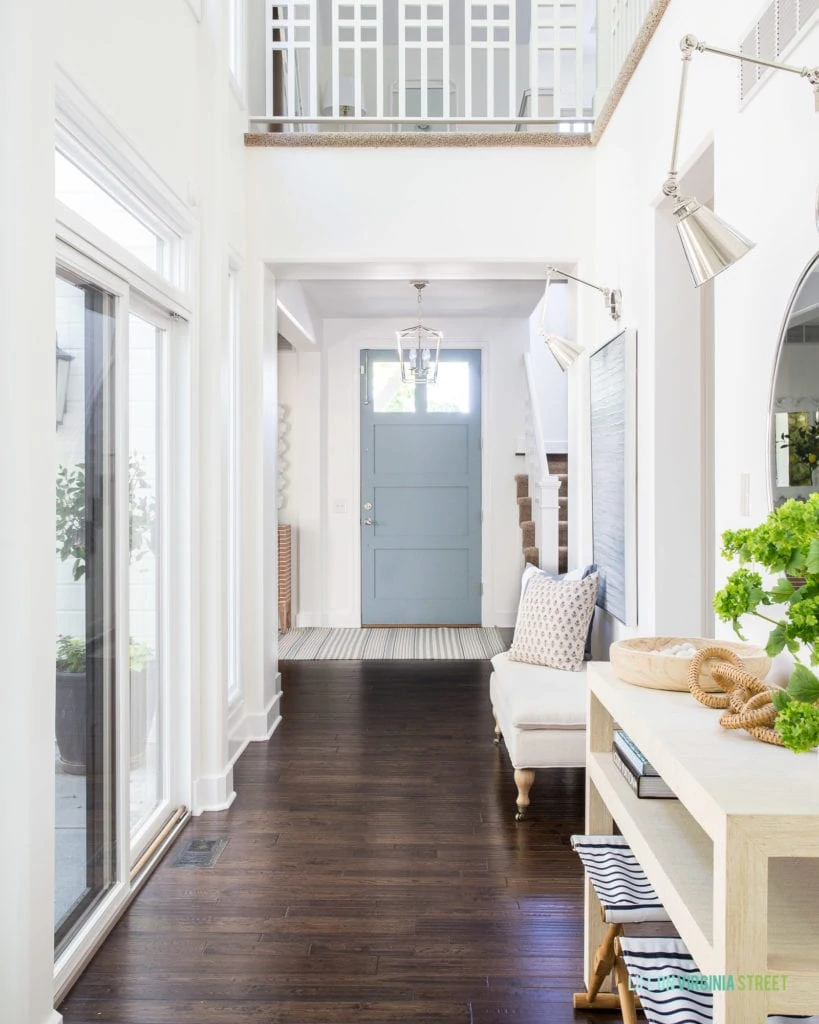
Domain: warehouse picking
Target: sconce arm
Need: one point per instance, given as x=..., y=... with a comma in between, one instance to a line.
x=688, y=45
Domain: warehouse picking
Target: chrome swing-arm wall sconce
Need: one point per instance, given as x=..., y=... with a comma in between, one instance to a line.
x=709, y=243
x=565, y=351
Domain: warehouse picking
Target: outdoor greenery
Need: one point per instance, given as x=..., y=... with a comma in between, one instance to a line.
x=787, y=544
x=71, y=654
x=71, y=516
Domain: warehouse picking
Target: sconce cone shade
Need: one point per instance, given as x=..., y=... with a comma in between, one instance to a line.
x=564, y=351
x=709, y=243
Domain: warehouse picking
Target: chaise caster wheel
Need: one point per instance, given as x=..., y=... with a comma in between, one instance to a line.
x=496, y=741
x=520, y=816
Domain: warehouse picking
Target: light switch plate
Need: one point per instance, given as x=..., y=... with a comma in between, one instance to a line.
x=340, y=507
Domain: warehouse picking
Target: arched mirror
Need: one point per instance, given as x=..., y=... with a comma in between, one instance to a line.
x=794, y=438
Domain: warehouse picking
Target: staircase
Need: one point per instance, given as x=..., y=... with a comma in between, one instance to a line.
x=527, y=525
x=558, y=467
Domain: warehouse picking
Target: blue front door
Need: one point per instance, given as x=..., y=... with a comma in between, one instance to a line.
x=421, y=492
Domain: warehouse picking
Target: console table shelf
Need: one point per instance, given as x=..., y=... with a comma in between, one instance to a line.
x=735, y=859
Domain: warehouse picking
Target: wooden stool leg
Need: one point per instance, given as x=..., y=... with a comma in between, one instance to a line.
x=627, y=1002
x=604, y=960
x=524, y=777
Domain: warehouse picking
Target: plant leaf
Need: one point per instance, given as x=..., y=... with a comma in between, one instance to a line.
x=812, y=564
x=779, y=698
x=783, y=591
x=776, y=641
x=804, y=685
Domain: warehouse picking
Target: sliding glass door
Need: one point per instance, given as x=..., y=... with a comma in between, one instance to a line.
x=112, y=769
x=148, y=790
x=85, y=779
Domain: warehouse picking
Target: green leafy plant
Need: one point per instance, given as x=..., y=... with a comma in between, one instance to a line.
x=71, y=654
x=71, y=513
x=803, y=441
x=786, y=543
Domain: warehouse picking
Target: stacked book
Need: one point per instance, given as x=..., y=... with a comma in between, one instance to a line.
x=636, y=770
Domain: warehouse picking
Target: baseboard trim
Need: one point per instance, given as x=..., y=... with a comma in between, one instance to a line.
x=54, y=1018
x=213, y=792
x=260, y=727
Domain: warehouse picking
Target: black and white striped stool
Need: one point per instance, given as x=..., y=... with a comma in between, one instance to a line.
x=626, y=897
x=665, y=975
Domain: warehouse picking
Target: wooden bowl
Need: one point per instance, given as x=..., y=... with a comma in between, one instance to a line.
x=637, y=661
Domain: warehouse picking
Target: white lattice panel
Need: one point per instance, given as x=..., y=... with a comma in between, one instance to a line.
x=423, y=33
x=292, y=31
x=626, y=18
x=358, y=28
x=489, y=31
x=557, y=30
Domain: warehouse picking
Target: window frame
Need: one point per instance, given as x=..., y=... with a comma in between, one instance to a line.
x=237, y=47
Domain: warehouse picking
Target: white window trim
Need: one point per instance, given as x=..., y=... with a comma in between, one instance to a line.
x=96, y=145
x=233, y=509
x=237, y=50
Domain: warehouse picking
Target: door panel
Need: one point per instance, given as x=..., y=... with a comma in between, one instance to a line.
x=415, y=447
x=432, y=512
x=421, y=493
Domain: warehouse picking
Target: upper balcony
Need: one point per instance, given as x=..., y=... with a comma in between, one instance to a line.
x=451, y=66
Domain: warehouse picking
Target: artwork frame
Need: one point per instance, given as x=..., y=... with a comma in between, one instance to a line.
x=613, y=445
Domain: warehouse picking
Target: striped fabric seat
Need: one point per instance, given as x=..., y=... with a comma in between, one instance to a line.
x=665, y=977
x=625, y=894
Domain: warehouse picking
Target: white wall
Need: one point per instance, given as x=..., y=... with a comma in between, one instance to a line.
x=435, y=205
x=551, y=382
x=328, y=460
x=764, y=183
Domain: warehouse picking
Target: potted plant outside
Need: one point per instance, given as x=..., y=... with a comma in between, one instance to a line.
x=72, y=710
x=786, y=544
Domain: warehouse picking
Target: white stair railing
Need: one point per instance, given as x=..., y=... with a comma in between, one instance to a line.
x=543, y=487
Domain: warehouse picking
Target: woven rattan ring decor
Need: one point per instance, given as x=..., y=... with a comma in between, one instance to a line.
x=745, y=700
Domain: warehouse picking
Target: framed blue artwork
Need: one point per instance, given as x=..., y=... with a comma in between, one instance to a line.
x=613, y=406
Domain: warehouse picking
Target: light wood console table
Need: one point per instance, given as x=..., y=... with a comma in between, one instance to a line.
x=735, y=860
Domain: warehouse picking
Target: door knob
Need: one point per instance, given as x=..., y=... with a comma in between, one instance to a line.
x=368, y=522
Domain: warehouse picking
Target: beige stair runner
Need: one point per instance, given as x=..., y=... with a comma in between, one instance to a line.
x=558, y=466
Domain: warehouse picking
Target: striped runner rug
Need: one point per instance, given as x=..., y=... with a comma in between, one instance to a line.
x=321, y=643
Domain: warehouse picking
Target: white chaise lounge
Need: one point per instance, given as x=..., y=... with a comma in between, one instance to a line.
x=540, y=713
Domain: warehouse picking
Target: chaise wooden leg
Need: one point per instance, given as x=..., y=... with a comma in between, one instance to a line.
x=524, y=777
x=498, y=734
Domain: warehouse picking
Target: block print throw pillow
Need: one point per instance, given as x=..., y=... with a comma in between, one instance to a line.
x=553, y=622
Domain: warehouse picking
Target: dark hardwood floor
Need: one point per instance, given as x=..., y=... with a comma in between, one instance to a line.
x=374, y=873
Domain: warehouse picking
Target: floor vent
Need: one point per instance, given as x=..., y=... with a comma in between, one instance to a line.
x=199, y=853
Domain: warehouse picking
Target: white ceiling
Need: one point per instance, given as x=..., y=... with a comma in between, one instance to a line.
x=357, y=299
